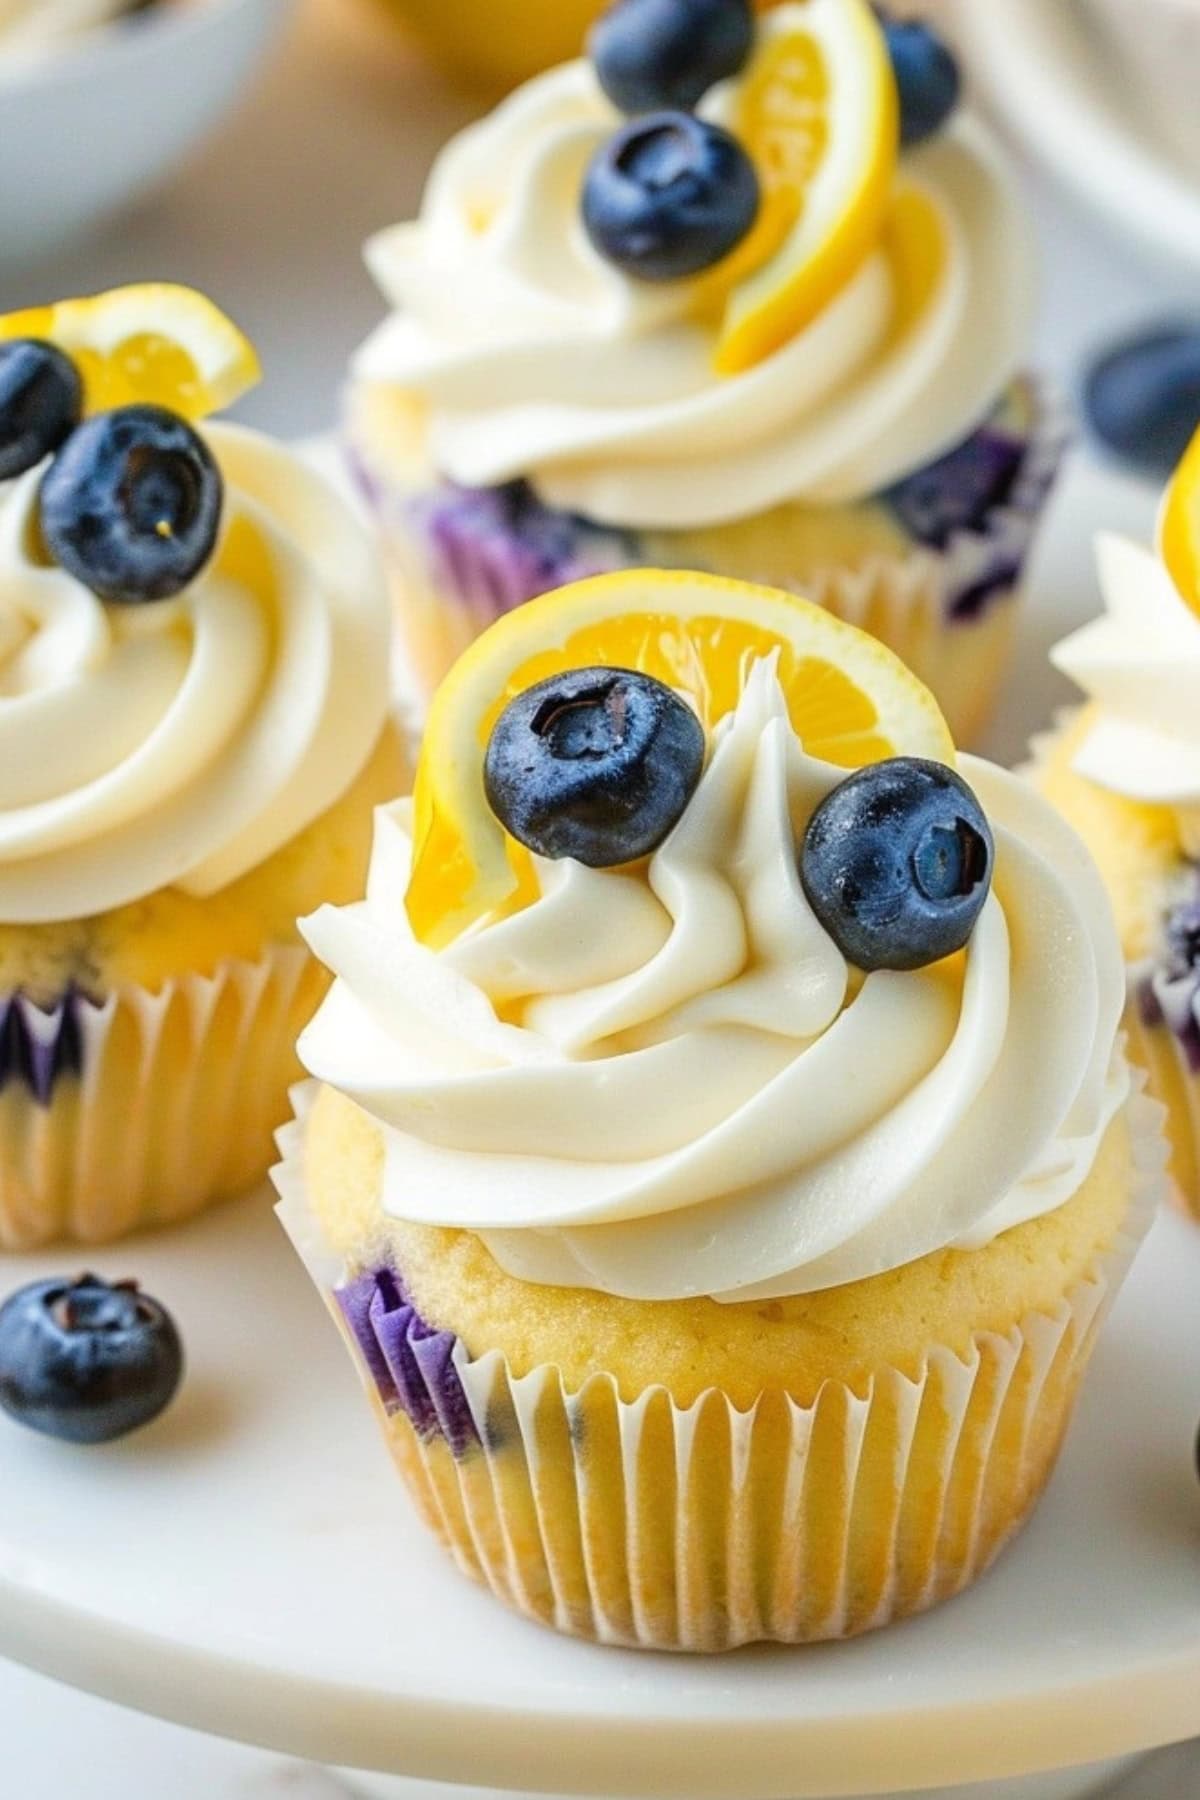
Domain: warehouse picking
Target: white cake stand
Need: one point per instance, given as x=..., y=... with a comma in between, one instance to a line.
x=249, y=1566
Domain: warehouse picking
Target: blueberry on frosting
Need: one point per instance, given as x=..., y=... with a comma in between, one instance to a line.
x=669, y=196
x=927, y=76
x=668, y=53
x=597, y=764
x=897, y=863
x=41, y=402
x=131, y=506
x=86, y=1360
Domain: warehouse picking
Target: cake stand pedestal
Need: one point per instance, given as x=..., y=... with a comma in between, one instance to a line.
x=250, y=1566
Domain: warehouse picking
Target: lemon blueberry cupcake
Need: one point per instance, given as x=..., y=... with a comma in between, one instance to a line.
x=779, y=336
x=1125, y=769
x=724, y=1156
x=195, y=728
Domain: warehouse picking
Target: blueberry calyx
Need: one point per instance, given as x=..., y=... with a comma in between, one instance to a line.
x=927, y=77
x=86, y=1360
x=41, y=403
x=131, y=506
x=650, y=54
x=597, y=765
x=669, y=196
x=897, y=863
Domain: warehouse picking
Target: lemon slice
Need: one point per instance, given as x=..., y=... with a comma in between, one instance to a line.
x=850, y=700
x=819, y=114
x=1179, y=526
x=154, y=342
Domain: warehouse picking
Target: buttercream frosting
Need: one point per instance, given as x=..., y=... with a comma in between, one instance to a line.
x=534, y=357
x=1139, y=664
x=668, y=1082
x=179, y=744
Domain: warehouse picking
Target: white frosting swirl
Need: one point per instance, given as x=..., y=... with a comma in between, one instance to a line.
x=535, y=357
x=179, y=744
x=1140, y=665
x=671, y=1084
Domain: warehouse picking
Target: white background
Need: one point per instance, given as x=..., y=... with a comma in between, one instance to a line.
x=335, y=142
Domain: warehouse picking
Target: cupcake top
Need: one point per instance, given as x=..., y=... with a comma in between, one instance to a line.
x=1139, y=664
x=725, y=1018
x=676, y=318
x=193, y=631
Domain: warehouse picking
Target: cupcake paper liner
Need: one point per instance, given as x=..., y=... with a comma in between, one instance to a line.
x=140, y=1109
x=945, y=604
x=702, y=1528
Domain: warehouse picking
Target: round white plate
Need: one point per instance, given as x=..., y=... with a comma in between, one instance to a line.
x=250, y=1565
x=1047, y=70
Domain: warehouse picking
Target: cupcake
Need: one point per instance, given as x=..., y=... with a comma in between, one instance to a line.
x=1125, y=770
x=193, y=661
x=777, y=338
x=716, y=1264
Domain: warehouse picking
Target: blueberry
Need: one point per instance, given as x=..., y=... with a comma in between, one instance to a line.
x=669, y=195
x=131, y=505
x=85, y=1360
x=668, y=53
x=927, y=76
x=597, y=764
x=1141, y=397
x=961, y=490
x=897, y=862
x=41, y=402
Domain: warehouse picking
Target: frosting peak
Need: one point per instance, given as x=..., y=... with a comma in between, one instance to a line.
x=534, y=357
x=180, y=743
x=668, y=1081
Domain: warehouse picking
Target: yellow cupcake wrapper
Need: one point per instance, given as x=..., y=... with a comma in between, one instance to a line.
x=702, y=1528
x=180, y=1092
x=1154, y=1047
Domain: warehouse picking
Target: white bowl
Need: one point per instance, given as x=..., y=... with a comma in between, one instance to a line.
x=93, y=125
x=1048, y=70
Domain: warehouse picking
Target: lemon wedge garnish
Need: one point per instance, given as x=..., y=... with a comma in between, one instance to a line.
x=850, y=700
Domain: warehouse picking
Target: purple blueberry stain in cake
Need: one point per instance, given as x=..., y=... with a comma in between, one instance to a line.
x=1167, y=992
x=961, y=490
x=41, y=1046
x=498, y=547
x=409, y=1360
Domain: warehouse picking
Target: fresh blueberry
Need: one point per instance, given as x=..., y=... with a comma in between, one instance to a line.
x=669, y=195
x=1142, y=396
x=131, y=505
x=41, y=402
x=897, y=862
x=668, y=53
x=927, y=76
x=597, y=764
x=86, y=1360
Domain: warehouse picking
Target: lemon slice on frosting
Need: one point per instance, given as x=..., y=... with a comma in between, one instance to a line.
x=850, y=700
x=155, y=342
x=819, y=114
x=1179, y=526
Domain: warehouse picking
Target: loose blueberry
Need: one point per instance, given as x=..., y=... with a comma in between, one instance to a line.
x=669, y=195
x=897, y=862
x=1142, y=396
x=41, y=402
x=86, y=1360
x=668, y=53
x=131, y=505
x=927, y=76
x=597, y=764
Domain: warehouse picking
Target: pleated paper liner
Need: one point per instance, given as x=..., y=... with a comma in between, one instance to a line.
x=703, y=1528
x=950, y=614
x=1161, y=1021
x=143, y=1108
